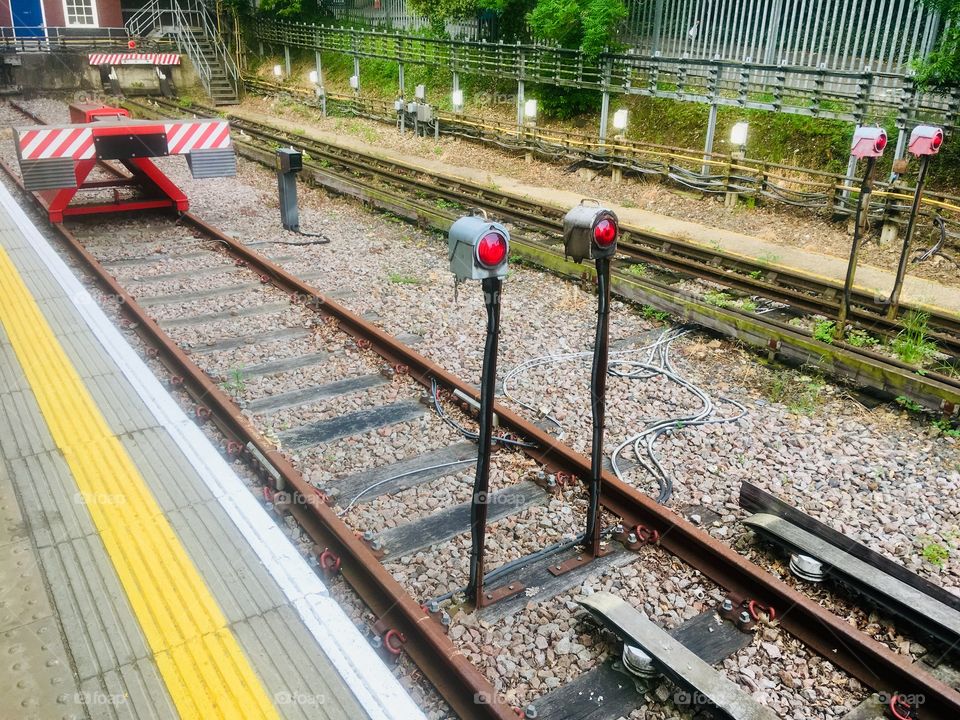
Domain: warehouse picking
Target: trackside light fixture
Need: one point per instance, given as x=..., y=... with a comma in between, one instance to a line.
x=457, y=98
x=738, y=134
x=314, y=77
x=925, y=140
x=868, y=142
x=620, y=120
x=530, y=109
x=278, y=71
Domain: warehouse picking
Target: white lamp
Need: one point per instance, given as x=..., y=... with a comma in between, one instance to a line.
x=620, y=119
x=277, y=71
x=738, y=134
x=457, y=98
x=420, y=93
x=530, y=109
x=355, y=82
x=314, y=77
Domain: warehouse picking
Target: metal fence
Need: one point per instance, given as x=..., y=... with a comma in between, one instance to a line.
x=883, y=35
x=394, y=14
x=853, y=96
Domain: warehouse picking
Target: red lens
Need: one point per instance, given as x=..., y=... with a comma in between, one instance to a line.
x=881, y=143
x=605, y=232
x=492, y=249
x=937, y=140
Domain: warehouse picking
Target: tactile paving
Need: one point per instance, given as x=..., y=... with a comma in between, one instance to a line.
x=35, y=677
x=23, y=598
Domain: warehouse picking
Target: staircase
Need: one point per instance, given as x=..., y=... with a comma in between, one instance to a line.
x=190, y=25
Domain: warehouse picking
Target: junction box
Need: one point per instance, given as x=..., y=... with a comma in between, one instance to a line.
x=289, y=163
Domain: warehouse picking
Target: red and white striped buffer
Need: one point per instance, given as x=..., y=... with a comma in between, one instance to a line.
x=79, y=142
x=41, y=143
x=134, y=59
x=182, y=137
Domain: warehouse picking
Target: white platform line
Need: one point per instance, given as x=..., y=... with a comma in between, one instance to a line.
x=367, y=676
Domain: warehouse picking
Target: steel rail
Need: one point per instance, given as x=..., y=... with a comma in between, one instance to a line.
x=812, y=295
x=427, y=644
x=457, y=679
x=863, y=367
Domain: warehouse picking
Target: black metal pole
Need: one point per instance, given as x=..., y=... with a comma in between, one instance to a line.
x=598, y=388
x=481, y=484
x=908, y=236
x=866, y=187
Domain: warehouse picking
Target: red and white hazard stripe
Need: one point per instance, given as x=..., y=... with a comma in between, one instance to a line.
x=182, y=137
x=69, y=142
x=134, y=58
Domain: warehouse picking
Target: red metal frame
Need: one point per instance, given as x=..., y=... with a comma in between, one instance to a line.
x=158, y=191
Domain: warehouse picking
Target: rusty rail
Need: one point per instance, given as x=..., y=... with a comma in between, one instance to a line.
x=454, y=677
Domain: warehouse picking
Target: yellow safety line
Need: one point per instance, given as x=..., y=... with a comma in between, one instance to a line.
x=201, y=662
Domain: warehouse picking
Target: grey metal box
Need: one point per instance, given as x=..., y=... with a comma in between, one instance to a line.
x=464, y=236
x=578, y=232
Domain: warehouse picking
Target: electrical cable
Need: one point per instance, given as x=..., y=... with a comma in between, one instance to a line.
x=375, y=485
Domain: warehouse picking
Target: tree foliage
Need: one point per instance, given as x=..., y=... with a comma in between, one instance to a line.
x=940, y=70
x=287, y=9
x=589, y=25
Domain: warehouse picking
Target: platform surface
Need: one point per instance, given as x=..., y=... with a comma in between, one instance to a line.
x=139, y=577
x=819, y=266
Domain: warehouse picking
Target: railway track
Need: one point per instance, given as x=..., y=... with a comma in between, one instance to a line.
x=536, y=228
x=380, y=360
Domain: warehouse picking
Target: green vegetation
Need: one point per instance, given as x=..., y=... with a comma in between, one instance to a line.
x=797, y=391
x=651, y=313
x=448, y=205
x=586, y=24
x=747, y=305
x=946, y=427
x=637, y=270
x=935, y=553
x=912, y=345
x=861, y=339
x=718, y=297
x=756, y=274
x=941, y=69
x=824, y=331
x=401, y=279
x=236, y=383
x=908, y=404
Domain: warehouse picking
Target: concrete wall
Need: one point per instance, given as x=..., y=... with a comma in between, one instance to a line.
x=71, y=71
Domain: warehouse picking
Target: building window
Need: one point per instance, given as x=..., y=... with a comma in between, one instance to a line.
x=80, y=12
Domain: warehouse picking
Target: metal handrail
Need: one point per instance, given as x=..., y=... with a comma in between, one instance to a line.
x=182, y=24
x=144, y=19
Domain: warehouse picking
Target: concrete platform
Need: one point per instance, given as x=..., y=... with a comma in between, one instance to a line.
x=139, y=577
x=872, y=280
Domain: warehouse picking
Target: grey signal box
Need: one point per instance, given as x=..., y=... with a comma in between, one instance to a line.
x=468, y=249
x=289, y=163
x=580, y=228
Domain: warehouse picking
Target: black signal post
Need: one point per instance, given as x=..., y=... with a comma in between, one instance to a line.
x=590, y=232
x=481, y=483
x=479, y=250
x=598, y=403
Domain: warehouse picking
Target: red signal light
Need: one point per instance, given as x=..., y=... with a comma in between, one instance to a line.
x=605, y=232
x=131, y=44
x=492, y=250
x=881, y=142
x=937, y=140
